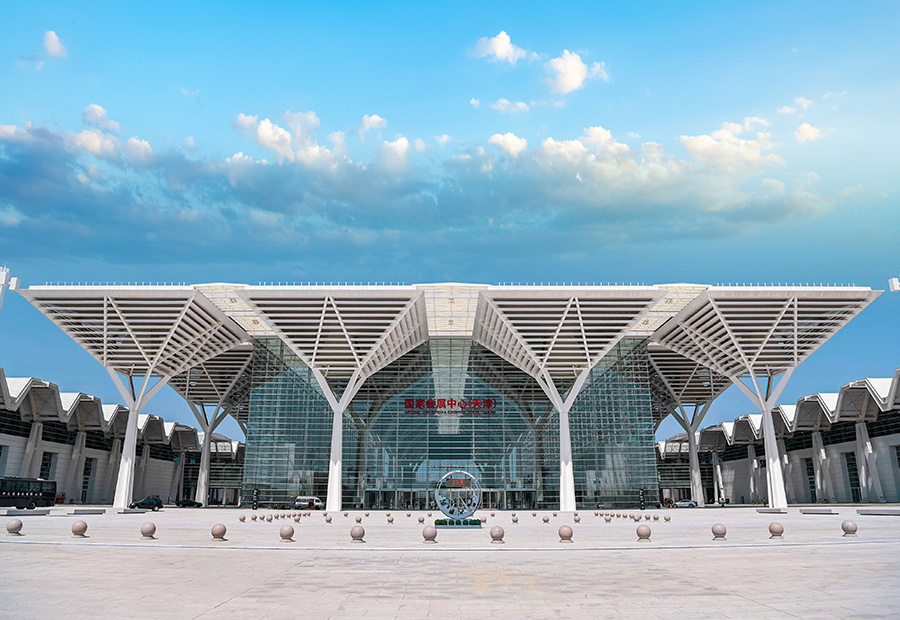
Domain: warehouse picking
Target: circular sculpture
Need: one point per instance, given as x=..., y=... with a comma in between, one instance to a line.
x=14, y=527
x=287, y=533
x=457, y=495
x=356, y=533
x=497, y=535
x=218, y=531
x=78, y=529
x=643, y=532
x=565, y=534
x=776, y=530
x=719, y=532
x=148, y=530
x=430, y=535
x=849, y=528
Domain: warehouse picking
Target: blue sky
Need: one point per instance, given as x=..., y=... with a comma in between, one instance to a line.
x=629, y=142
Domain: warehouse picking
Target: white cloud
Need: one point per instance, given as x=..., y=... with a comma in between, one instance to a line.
x=370, y=122
x=302, y=124
x=95, y=116
x=773, y=186
x=139, y=150
x=266, y=134
x=190, y=142
x=807, y=132
x=420, y=145
x=275, y=138
x=603, y=143
x=505, y=106
x=190, y=94
x=339, y=141
x=97, y=143
x=442, y=140
x=392, y=154
x=572, y=73
x=53, y=45
x=723, y=149
x=509, y=142
x=475, y=102
x=499, y=48
x=801, y=103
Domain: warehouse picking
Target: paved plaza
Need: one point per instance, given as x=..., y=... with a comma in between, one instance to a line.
x=814, y=572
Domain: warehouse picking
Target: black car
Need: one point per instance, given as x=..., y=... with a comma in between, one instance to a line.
x=148, y=503
x=188, y=503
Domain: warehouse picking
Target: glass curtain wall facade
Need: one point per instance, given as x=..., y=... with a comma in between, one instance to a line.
x=450, y=404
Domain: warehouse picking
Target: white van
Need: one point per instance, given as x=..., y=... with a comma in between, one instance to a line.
x=308, y=501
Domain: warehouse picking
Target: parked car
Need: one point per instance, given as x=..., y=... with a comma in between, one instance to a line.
x=148, y=503
x=188, y=503
x=686, y=503
x=308, y=501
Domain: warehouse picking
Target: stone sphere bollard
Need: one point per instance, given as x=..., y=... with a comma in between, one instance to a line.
x=493, y=515
x=328, y=519
x=513, y=514
x=483, y=519
x=643, y=533
x=608, y=519
x=515, y=519
x=269, y=518
x=565, y=534
x=656, y=517
x=287, y=533
x=242, y=518
x=618, y=515
x=429, y=514
x=719, y=532
x=576, y=513
x=356, y=533
x=359, y=519
x=637, y=518
x=387, y=514
x=776, y=530
x=325, y=514
x=408, y=514
x=390, y=519
x=253, y=517
x=554, y=514
x=533, y=514
x=218, y=531
x=345, y=514
x=78, y=529
x=849, y=528
x=297, y=519
x=367, y=515
x=546, y=519
x=577, y=519
x=148, y=531
x=14, y=527
x=430, y=535
x=497, y=535
x=421, y=519
x=596, y=514
x=668, y=518
x=646, y=517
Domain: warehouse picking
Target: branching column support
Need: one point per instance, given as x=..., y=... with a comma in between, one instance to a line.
x=754, y=473
x=208, y=424
x=788, y=472
x=76, y=467
x=135, y=402
x=691, y=425
x=766, y=401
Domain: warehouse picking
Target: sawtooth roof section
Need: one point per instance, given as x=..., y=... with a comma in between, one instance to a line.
x=763, y=330
x=343, y=331
x=815, y=412
x=558, y=331
x=861, y=401
x=894, y=396
x=83, y=411
x=221, y=380
x=688, y=382
x=35, y=400
x=712, y=439
x=133, y=330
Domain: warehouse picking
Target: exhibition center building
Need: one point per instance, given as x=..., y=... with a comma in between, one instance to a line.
x=366, y=395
